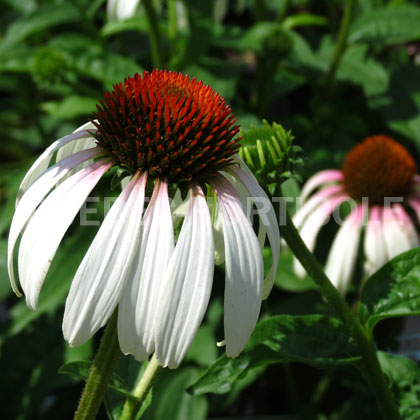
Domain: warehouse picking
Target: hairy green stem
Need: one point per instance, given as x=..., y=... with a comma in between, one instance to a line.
x=155, y=35
x=369, y=364
x=341, y=45
x=133, y=405
x=100, y=372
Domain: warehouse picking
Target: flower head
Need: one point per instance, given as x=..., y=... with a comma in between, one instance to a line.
x=167, y=131
x=379, y=178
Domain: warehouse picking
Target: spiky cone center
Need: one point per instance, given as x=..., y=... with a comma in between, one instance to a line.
x=168, y=125
x=377, y=168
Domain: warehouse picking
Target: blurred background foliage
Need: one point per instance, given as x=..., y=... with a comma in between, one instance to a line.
x=270, y=59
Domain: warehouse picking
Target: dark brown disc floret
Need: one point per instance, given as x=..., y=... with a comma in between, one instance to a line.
x=168, y=125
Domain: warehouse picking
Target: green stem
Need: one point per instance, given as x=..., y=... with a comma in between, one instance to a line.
x=342, y=40
x=369, y=364
x=172, y=17
x=100, y=372
x=155, y=36
x=133, y=405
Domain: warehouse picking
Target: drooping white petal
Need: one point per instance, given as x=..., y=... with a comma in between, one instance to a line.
x=34, y=195
x=186, y=288
x=121, y=9
x=267, y=218
x=97, y=286
x=48, y=225
x=396, y=231
x=41, y=164
x=77, y=146
x=341, y=260
x=319, y=179
x=313, y=224
x=244, y=269
x=137, y=309
x=374, y=244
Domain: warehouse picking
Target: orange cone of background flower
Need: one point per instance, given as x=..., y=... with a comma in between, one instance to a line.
x=379, y=175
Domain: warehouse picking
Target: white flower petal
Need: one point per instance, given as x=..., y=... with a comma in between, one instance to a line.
x=140, y=297
x=48, y=226
x=77, y=146
x=267, y=218
x=374, y=244
x=244, y=269
x=313, y=224
x=121, y=9
x=186, y=288
x=319, y=179
x=219, y=244
x=341, y=260
x=34, y=195
x=396, y=231
x=97, y=286
x=41, y=164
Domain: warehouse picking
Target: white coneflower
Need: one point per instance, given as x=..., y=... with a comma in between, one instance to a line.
x=380, y=176
x=168, y=131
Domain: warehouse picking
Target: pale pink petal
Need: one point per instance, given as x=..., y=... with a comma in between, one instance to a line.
x=313, y=224
x=396, y=231
x=318, y=180
x=374, y=243
x=315, y=201
x=342, y=258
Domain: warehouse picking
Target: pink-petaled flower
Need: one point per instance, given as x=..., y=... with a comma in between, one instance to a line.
x=379, y=177
x=168, y=131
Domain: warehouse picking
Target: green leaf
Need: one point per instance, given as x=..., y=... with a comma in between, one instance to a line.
x=70, y=107
x=42, y=18
x=317, y=340
x=304, y=19
x=130, y=370
x=171, y=399
x=387, y=26
x=404, y=379
x=109, y=68
x=286, y=278
x=80, y=370
x=135, y=23
x=392, y=291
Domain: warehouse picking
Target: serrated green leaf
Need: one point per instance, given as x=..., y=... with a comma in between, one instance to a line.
x=392, y=291
x=317, y=340
x=387, y=25
x=404, y=379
